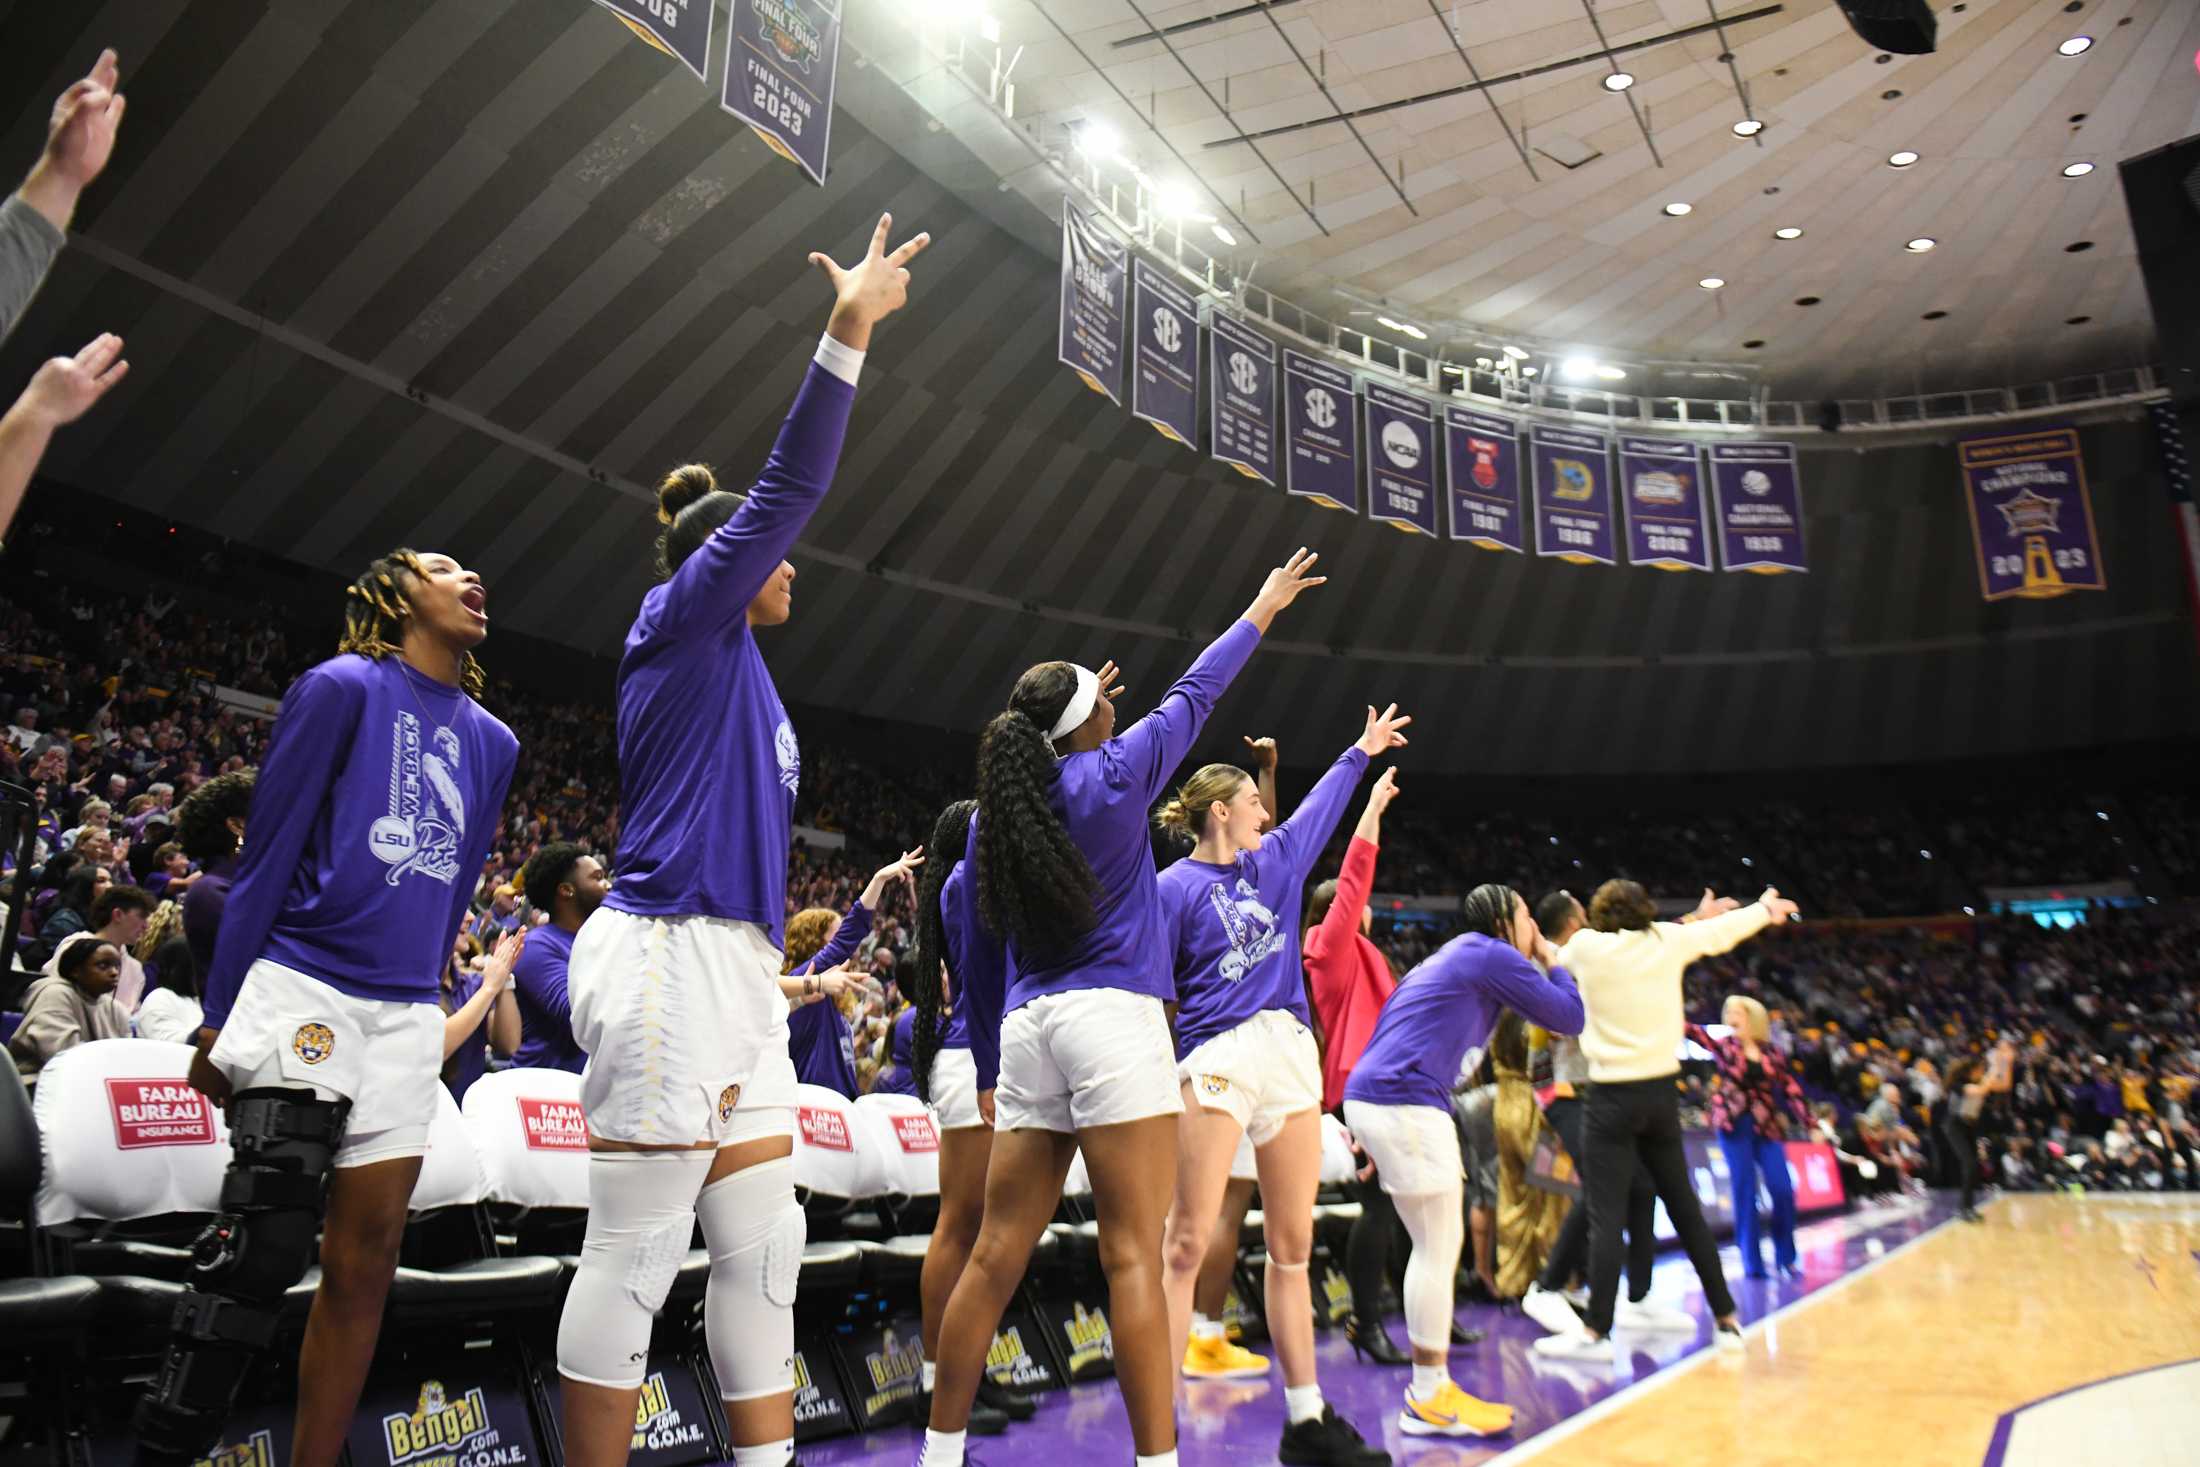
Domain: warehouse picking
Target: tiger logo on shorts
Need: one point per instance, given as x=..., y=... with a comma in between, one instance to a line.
x=728, y=1098
x=313, y=1043
x=1213, y=1084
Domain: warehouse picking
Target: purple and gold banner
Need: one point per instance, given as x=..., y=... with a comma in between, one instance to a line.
x=1401, y=459
x=1091, y=335
x=1573, y=495
x=1661, y=494
x=780, y=67
x=1164, y=353
x=1758, y=494
x=679, y=28
x=2031, y=517
x=1243, y=390
x=1322, y=428
x=1484, y=474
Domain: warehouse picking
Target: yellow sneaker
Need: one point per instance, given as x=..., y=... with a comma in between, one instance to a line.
x=1452, y=1412
x=1212, y=1359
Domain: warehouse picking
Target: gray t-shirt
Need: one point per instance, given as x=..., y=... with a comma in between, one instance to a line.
x=28, y=244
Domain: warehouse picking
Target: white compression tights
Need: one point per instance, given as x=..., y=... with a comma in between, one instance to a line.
x=641, y=1215
x=1436, y=1222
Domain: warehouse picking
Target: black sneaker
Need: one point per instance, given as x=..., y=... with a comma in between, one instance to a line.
x=1328, y=1441
x=984, y=1420
x=1006, y=1399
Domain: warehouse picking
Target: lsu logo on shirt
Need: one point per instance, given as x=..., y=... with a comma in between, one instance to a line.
x=1248, y=924
x=1214, y=1084
x=728, y=1098
x=790, y=756
x=426, y=823
x=313, y=1043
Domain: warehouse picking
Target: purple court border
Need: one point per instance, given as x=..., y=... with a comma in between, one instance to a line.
x=1996, y=1448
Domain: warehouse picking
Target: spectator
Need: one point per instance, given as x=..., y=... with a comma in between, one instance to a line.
x=72, y=1004
x=211, y=823
x=118, y=916
x=23, y=733
x=72, y=913
x=565, y=884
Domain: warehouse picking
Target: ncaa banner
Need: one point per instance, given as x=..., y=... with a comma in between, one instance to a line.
x=2031, y=518
x=1091, y=333
x=1484, y=474
x=1164, y=354
x=1661, y=494
x=1242, y=385
x=779, y=75
x=679, y=28
x=1323, y=432
x=1573, y=495
x=1759, y=498
x=1401, y=460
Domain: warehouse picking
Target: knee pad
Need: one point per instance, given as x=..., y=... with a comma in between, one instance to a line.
x=755, y=1230
x=273, y=1196
x=641, y=1214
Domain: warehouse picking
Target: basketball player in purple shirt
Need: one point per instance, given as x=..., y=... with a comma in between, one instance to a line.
x=1248, y=1064
x=1065, y=877
x=675, y=979
x=382, y=786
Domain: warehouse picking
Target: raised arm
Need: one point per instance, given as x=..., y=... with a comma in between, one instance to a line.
x=60, y=392
x=1713, y=935
x=1302, y=837
x=80, y=138
x=854, y=927
x=1264, y=768
x=1549, y=999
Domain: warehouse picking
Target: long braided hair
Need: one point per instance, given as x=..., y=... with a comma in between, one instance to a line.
x=375, y=608
x=1489, y=910
x=1035, y=887
x=950, y=834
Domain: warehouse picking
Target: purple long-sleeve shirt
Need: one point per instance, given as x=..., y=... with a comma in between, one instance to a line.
x=1448, y=1004
x=545, y=1006
x=708, y=762
x=203, y=906
x=1233, y=931
x=374, y=806
x=1102, y=797
x=901, y=1048
x=980, y=967
x=818, y=1038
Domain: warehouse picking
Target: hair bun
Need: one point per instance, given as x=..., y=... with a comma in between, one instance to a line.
x=681, y=488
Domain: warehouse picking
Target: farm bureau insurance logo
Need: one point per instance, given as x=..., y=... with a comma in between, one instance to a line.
x=658, y=1424
x=157, y=1112
x=789, y=33
x=824, y=1128
x=441, y=1432
x=553, y=1125
x=915, y=1134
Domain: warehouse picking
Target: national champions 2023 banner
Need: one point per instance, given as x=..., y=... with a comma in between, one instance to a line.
x=1164, y=353
x=779, y=75
x=1243, y=392
x=1321, y=431
x=679, y=28
x=1757, y=493
x=1661, y=494
x=2031, y=516
x=1091, y=334
x=1573, y=495
x=1483, y=473
x=1401, y=459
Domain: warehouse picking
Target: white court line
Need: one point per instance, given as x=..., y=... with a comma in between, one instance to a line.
x=1582, y=1420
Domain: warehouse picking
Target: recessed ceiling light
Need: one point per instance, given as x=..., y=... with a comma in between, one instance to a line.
x=1748, y=127
x=1806, y=300
x=1676, y=209
x=1711, y=282
x=1892, y=94
x=1619, y=81
x=1612, y=374
x=2078, y=247
x=1787, y=231
x=1413, y=331
x=1096, y=139
x=1933, y=316
x=1517, y=353
x=1752, y=344
x=2076, y=170
x=1577, y=367
x=1385, y=321
x=1921, y=244
x=1527, y=371
x=2076, y=320
x=1903, y=159
x=1224, y=235
x=2075, y=46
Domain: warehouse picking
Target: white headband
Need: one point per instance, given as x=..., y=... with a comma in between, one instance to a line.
x=1080, y=704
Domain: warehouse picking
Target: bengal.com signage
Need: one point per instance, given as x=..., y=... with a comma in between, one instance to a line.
x=659, y=1423
x=445, y=1432
x=553, y=1125
x=159, y=1113
x=257, y=1450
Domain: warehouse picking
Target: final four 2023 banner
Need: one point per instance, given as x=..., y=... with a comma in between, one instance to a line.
x=779, y=75
x=2031, y=517
x=679, y=28
x=1091, y=333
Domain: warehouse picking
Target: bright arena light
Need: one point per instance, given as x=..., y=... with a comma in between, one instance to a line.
x=2075, y=46
x=1748, y=127
x=1711, y=282
x=1225, y=235
x=1413, y=331
x=1576, y=368
x=1096, y=139
x=1903, y=159
x=1612, y=374
x=1619, y=81
x=1787, y=231
x=1484, y=362
x=2077, y=170
x=1173, y=200
x=1676, y=209
x=1517, y=353
x=1921, y=244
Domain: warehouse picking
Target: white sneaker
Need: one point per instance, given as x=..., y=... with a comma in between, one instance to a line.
x=1579, y=1298
x=1729, y=1341
x=1549, y=1308
x=1576, y=1344
x=1648, y=1316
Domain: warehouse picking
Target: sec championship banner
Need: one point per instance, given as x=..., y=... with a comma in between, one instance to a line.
x=779, y=75
x=2031, y=517
x=1573, y=498
x=1322, y=430
x=1091, y=335
x=1483, y=470
x=1243, y=389
x=1758, y=495
x=679, y=28
x=1661, y=493
x=1401, y=459
x=1164, y=354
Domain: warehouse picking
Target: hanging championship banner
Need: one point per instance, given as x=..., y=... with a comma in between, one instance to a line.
x=1758, y=493
x=1091, y=334
x=779, y=75
x=1661, y=493
x=1323, y=432
x=1164, y=354
x=1484, y=475
x=1573, y=498
x=679, y=28
x=1401, y=459
x=1242, y=387
x=2031, y=517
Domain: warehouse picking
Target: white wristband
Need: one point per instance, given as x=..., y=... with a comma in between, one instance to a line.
x=838, y=358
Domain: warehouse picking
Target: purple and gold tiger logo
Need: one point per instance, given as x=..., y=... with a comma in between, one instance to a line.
x=313, y=1043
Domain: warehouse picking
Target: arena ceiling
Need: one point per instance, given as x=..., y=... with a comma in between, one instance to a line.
x=467, y=274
